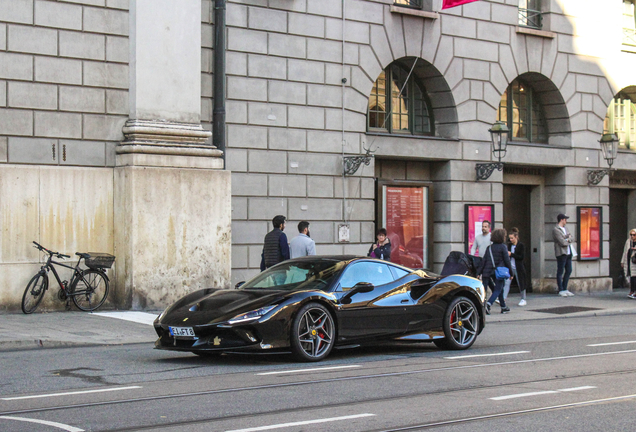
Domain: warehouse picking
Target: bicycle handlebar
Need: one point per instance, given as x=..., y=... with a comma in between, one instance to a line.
x=50, y=252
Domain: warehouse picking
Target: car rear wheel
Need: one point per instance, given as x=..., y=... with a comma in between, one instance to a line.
x=461, y=325
x=312, y=333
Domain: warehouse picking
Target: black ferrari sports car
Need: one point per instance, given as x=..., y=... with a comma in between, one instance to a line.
x=311, y=305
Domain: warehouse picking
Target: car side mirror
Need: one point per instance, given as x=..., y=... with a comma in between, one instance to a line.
x=360, y=287
x=238, y=285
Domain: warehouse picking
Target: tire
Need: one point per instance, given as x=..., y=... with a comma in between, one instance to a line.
x=34, y=292
x=94, y=290
x=461, y=325
x=313, y=333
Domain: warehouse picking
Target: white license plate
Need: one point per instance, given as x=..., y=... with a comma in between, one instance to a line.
x=181, y=331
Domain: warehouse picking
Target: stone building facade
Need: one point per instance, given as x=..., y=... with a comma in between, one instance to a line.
x=301, y=75
x=106, y=108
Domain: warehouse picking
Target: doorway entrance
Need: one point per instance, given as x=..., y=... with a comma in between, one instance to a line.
x=618, y=228
x=517, y=213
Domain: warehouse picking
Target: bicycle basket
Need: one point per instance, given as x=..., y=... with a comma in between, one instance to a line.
x=99, y=260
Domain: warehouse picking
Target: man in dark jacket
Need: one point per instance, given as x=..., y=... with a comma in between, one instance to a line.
x=275, y=246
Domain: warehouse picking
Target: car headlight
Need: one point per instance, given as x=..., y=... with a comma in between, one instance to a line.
x=252, y=315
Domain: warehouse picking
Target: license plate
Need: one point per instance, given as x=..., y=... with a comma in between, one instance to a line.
x=181, y=331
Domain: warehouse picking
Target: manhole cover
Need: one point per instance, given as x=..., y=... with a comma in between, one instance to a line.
x=565, y=310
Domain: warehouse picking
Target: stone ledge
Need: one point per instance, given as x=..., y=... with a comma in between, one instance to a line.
x=414, y=12
x=536, y=32
x=576, y=285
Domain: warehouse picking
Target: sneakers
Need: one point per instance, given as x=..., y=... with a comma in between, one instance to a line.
x=631, y=295
x=487, y=307
x=570, y=294
x=505, y=309
x=563, y=293
x=497, y=301
x=522, y=302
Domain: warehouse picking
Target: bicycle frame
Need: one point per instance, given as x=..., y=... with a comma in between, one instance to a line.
x=77, y=274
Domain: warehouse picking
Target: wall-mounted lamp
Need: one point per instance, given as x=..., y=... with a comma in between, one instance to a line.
x=499, y=134
x=352, y=163
x=609, y=147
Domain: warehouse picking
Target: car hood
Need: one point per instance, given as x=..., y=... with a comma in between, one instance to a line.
x=217, y=305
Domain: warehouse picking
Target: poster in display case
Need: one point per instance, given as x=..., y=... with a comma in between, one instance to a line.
x=590, y=233
x=474, y=215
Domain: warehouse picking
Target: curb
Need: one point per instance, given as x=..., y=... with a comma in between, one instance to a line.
x=610, y=312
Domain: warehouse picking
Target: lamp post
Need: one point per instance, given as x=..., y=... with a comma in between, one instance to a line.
x=499, y=133
x=609, y=148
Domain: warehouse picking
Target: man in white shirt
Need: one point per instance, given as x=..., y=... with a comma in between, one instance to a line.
x=563, y=252
x=302, y=245
x=482, y=241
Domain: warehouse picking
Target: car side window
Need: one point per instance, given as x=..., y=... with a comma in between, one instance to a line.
x=372, y=272
x=399, y=273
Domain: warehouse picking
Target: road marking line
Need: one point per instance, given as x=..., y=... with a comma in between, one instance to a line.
x=70, y=393
x=513, y=413
x=302, y=423
x=612, y=343
x=487, y=355
x=134, y=316
x=45, y=422
x=308, y=370
x=520, y=395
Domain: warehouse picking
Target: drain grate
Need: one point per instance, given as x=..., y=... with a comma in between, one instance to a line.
x=565, y=310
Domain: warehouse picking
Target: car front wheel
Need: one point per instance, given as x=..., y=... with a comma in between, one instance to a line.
x=461, y=325
x=312, y=333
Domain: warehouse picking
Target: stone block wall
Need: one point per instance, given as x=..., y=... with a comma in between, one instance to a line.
x=63, y=80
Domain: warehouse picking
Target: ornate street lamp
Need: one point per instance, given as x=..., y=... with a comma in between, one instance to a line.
x=352, y=163
x=609, y=147
x=499, y=134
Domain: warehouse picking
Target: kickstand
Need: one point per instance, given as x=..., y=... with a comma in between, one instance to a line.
x=67, y=306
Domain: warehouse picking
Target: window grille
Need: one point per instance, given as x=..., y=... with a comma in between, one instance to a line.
x=629, y=23
x=530, y=13
x=523, y=114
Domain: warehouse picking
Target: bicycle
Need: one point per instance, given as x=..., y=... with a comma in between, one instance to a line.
x=88, y=288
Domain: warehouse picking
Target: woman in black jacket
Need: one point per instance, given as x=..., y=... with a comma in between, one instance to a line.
x=381, y=249
x=516, y=251
x=486, y=270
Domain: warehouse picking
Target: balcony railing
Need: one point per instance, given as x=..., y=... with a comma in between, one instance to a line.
x=415, y=4
x=530, y=18
x=629, y=36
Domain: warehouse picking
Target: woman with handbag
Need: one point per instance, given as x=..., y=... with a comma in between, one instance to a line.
x=496, y=265
x=628, y=262
x=516, y=252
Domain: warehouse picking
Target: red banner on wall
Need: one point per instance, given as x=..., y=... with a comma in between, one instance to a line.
x=590, y=223
x=405, y=216
x=452, y=3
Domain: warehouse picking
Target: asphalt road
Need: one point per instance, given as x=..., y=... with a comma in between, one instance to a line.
x=565, y=374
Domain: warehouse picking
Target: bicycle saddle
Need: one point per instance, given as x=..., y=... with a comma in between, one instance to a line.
x=83, y=255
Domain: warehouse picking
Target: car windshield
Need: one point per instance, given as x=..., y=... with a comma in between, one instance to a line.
x=299, y=275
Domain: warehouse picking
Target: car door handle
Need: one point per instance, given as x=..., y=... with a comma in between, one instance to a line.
x=405, y=301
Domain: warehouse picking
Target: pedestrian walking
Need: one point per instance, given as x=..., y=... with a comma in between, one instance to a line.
x=302, y=245
x=516, y=252
x=628, y=262
x=564, y=253
x=382, y=247
x=482, y=241
x=496, y=255
x=275, y=246
x=480, y=244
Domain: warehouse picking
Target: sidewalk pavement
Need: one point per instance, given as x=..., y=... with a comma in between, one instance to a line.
x=74, y=328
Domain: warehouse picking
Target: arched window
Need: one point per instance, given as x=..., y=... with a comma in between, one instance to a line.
x=621, y=120
x=398, y=104
x=521, y=111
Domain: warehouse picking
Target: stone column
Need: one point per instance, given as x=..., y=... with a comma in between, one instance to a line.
x=172, y=196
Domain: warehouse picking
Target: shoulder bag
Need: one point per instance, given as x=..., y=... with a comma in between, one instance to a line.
x=501, y=273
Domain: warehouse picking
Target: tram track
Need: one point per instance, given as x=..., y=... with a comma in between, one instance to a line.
x=326, y=406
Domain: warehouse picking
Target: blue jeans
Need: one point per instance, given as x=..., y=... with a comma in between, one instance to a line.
x=564, y=263
x=497, y=292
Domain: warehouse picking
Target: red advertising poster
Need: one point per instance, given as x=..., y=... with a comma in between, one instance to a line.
x=475, y=215
x=590, y=224
x=405, y=221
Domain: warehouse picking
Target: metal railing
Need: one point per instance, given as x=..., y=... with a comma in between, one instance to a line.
x=415, y=4
x=530, y=18
x=629, y=36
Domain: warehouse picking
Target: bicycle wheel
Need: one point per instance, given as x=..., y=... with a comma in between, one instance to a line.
x=89, y=291
x=34, y=292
